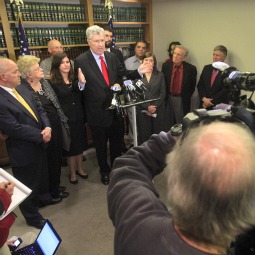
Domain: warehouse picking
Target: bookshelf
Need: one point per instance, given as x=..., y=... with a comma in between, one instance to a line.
x=67, y=21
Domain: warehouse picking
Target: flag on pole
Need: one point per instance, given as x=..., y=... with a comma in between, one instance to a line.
x=24, y=50
x=110, y=24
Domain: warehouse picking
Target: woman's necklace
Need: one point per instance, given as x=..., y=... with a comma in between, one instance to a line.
x=40, y=91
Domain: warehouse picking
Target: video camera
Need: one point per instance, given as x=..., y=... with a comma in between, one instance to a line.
x=234, y=81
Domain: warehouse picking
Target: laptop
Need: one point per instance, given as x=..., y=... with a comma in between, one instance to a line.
x=46, y=243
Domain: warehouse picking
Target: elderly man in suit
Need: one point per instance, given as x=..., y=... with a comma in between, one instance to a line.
x=28, y=129
x=102, y=70
x=180, y=78
x=210, y=87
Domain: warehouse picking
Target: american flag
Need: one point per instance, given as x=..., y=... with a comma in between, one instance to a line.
x=24, y=50
x=110, y=24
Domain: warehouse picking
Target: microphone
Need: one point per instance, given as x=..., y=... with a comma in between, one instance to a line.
x=220, y=66
x=116, y=87
x=129, y=85
x=141, y=86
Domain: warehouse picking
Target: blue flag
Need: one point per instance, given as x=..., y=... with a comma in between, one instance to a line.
x=110, y=24
x=24, y=50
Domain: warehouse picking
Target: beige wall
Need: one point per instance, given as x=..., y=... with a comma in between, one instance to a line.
x=202, y=24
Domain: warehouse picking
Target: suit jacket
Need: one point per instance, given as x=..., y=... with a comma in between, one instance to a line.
x=118, y=53
x=97, y=94
x=188, y=82
x=25, y=139
x=216, y=91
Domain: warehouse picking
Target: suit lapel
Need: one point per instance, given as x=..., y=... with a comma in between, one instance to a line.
x=17, y=104
x=94, y=66
x=109, y=63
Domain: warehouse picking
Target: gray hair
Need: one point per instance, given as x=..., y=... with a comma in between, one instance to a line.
x=186, y=52
x=94, y=30
x=25, y=63
x=211, y=176
x=221, y=48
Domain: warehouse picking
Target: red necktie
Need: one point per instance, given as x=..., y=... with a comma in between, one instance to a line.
x=174, y=88
x=104, y=70
x=214, y=74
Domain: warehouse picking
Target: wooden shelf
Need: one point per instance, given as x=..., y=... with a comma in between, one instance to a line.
x=5, y=24
x=49, y=23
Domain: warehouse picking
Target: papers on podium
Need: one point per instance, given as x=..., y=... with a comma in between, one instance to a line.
x=20, y=192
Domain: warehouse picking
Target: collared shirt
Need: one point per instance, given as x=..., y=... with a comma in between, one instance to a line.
x=132, y=63
x=9, y=90
x=176, y=80
x=98, y=60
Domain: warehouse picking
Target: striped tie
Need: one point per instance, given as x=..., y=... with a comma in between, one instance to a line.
x=24, y=103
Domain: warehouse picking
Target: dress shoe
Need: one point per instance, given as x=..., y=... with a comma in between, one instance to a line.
x=61, y=188
x=36, y=223
x=105, y=179
x=73, y=182
x=63, y=194
x=53, y=201
x=83, y=176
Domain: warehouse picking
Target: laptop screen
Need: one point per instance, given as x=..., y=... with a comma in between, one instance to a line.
x=48, y=239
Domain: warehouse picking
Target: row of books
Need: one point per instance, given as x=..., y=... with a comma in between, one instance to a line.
x=68, y=35
x=120, y=14
x=128, y=34
x=37, y=11
x=43, y=53
x=2, y=41
x=72, y=52
x=40, y=36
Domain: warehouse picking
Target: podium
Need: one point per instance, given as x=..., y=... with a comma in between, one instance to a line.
x=133, y=109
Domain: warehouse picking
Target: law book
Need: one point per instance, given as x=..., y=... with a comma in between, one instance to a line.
x=20, y=192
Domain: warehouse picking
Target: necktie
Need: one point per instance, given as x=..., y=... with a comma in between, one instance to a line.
x=175, y=82
x=104, y=70
x=214, y=74
x=24, y=103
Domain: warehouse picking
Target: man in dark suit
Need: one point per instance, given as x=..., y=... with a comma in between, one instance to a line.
x=28, y=129
x=105, y=124
x=210, y=87
x=180, y=78
x=109, y=47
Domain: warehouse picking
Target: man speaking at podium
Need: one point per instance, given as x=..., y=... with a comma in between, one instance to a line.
x=102, y=70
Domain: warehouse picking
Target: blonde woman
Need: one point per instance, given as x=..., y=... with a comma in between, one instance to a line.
x=33, y=79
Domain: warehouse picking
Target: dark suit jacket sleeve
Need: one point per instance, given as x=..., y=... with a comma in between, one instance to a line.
x=201, y=85
x=192, y=70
